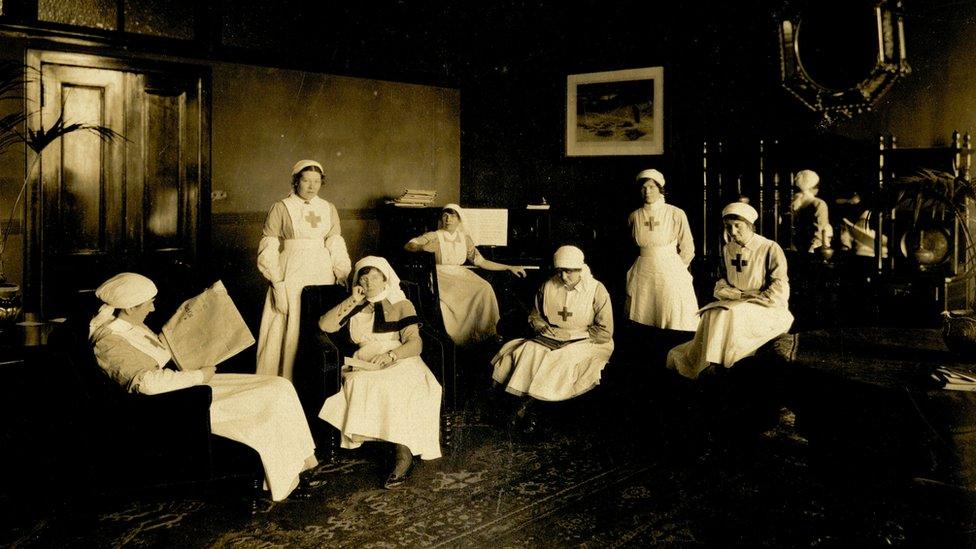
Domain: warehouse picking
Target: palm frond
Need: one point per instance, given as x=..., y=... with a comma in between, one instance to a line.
x=39, y=139
x=923, y=179
x=10, y=125
x=13, y=77
x=939, y=191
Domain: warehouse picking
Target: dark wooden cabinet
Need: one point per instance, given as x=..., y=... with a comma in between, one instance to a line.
x=398, y=225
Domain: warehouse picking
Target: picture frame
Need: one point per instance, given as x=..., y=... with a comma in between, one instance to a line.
x=615, y=112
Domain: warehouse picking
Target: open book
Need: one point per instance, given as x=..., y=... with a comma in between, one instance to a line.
x=729, y=303
x=553, y=343
x=351, y=364
x=206, y=330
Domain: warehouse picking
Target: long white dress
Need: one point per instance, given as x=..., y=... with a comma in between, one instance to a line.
x=659, y=286
x=733, y=329
x=301, y=247
x=400, y=403
x=468, y=303
x=527, y=367
x=262, y=412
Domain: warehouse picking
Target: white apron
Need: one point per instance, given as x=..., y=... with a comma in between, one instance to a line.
x=468, y=303
x=529, y=368
x=304, y=261
x=262, y=412
x=731, y=330
x=659, y=286
x=400, y=403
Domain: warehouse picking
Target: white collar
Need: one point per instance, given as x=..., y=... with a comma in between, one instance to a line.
x=750, y=244
x=453, y=237
x=300, y=200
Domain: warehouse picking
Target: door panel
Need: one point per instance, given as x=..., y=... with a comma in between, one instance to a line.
x=81, y=192
x=82, y=181
x=171, y=164
x=170, y=143
x=105, y=206
x=163, y=181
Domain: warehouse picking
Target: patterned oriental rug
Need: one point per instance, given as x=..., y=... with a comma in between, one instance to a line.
x=578, y=483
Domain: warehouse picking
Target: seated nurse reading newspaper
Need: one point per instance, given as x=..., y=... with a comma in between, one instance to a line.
x=262, y=412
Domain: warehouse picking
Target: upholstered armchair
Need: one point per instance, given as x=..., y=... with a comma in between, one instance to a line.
x=318, y=363
x=133, y=442
x=418, y=279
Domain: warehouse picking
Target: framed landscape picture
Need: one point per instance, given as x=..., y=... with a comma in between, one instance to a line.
x=615, y=112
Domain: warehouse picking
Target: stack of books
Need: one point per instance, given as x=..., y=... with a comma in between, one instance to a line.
x=955, y=379
x=414, y=198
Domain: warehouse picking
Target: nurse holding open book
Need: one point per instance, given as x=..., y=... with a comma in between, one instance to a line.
x=753, y=299
x=573, y=322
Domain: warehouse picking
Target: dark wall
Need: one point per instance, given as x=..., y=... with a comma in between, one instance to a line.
x=716, y=77
x=375, y=138
x=939, y=96
x=510, y=60
x=722, y=82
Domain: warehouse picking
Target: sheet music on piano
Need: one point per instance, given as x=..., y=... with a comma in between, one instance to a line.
x=487, y=226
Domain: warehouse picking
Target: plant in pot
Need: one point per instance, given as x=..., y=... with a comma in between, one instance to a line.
x=936, y=197
x=14, y=130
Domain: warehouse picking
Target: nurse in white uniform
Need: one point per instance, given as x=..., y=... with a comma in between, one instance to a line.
x=302, y=246
x=659, y=286
x=752, y=299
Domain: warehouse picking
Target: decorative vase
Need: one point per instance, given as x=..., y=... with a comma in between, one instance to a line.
x=959, y=333
x=924, y=257
x=10, y=303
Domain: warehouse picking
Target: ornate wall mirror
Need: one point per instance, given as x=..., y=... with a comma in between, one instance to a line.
x=838, y=57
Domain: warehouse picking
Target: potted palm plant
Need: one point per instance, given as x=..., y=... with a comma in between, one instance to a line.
x=934, y=197
x=14, y=131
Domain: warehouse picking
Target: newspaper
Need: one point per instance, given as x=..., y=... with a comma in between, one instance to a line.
x=206, y=330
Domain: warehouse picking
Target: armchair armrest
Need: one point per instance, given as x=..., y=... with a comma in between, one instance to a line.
x=320, y=374
x=438, y=354
x=185, y=403
x=330, y=358
x=318, y=378
x=172, y=425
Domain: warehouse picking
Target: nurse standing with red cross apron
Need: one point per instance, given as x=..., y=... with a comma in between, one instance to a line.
x=301, y=246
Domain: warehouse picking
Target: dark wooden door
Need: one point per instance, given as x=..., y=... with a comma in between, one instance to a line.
x=103, y=206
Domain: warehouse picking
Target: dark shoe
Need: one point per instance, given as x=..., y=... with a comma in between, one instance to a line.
x=301, y=492
x=530, y=426
x=396, y=481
